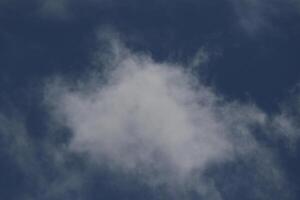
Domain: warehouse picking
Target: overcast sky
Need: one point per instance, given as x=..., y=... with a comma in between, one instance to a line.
x=149, y=100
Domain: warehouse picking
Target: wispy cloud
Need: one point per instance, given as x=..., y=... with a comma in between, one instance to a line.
x=43, y=166
x=255, y=16
x=252, y=14
x=54, y=8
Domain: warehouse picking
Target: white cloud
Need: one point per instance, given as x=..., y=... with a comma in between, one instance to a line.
x=151, y=120
x=158, y=121
x=146, y=114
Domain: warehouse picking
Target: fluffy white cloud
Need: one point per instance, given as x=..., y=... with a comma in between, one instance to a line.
x=158, y=121
x=146, y=114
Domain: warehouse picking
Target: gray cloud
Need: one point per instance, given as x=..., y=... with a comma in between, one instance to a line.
x=64, y=9
x=14, y=139
x=253, y=14
x=256, y=16
x=43, y=166
x=54, y=8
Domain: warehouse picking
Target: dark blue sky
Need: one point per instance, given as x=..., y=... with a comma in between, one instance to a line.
x=252, y=50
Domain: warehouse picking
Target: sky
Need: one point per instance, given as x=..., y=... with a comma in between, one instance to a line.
x=149, y=100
